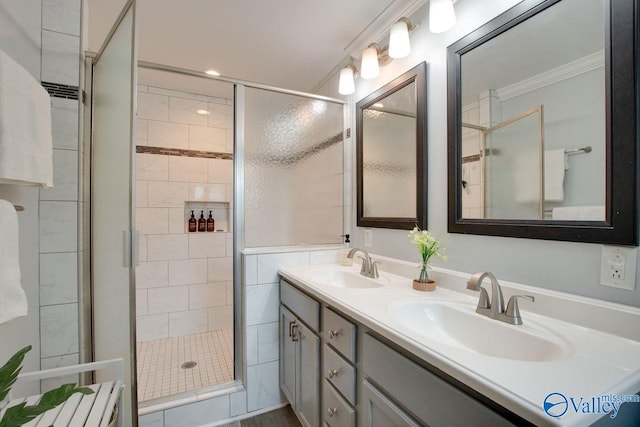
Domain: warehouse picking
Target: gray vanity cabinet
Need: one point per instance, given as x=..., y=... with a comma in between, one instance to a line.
x=366, y=380
x=300, y=353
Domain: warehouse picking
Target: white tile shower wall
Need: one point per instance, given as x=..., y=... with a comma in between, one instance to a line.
x=184, y=279
x=260, y=283
x=58, y=218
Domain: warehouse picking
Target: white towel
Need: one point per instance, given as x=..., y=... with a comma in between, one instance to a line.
x=555, y=163
x=13, y=301
x=579, y=213
x=26, y=148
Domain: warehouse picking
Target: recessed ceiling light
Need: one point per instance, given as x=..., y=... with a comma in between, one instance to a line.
x=212, y=72
x=202, y=112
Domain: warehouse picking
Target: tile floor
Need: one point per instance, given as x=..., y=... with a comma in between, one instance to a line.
x=159, y=364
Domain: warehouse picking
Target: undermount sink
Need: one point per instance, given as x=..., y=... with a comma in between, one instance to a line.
x=458, y=325
x=343, y=279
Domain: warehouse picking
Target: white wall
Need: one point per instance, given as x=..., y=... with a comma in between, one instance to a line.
x=563, y=266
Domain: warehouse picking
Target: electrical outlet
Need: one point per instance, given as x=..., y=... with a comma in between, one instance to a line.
x=618, y=267
x=368, y=238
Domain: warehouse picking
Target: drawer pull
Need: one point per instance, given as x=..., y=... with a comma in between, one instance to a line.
x=333, y=373
x=292, y=330
x=333, y=333
x=332, y=411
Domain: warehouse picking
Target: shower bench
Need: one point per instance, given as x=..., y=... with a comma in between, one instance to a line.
x=100, y=409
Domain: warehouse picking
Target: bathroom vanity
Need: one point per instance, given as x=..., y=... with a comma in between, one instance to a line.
x=373, y=352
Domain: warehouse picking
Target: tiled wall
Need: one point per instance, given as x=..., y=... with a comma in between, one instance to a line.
x=261, y=290
x=58, y=217
x=184, y=281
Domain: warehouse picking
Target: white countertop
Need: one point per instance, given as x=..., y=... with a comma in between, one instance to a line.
x=598, y=363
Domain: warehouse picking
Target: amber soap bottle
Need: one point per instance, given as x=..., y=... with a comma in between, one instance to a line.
x=211, y=223
x=193, y=224
x=202, y=223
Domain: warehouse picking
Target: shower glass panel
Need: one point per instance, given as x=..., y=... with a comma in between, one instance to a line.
x=294, y=171
x=111, y=204
x=513, y=168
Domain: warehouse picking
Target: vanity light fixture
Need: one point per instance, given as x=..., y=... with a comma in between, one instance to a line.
x=212, y=72
x=441, y=15
x=399, y=45
x=370, y=69
x=347, y=84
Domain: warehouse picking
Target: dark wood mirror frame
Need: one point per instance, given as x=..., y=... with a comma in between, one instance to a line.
x=417, y=75
x=622, y=148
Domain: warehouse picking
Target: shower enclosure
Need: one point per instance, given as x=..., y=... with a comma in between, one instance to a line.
x=265, y=163
x=184, y=279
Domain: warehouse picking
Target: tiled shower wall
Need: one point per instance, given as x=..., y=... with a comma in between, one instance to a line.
x=59, y=206
x=184, y=281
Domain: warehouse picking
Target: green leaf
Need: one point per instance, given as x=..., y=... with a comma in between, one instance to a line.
x=21, y=414
x=9, y=372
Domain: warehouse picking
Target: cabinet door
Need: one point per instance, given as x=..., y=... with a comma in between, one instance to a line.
x=309, y=376
x=379, y=411
x=288, y=357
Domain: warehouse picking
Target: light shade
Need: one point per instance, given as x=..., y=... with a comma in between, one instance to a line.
x=399, y=45
x=346, y=85
x=370, y=68
x=441, y=15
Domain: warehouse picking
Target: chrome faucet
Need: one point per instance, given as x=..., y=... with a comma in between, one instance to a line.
x=369, y=267
x=494, y=307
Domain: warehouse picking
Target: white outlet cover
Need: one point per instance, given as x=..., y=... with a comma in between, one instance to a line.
x=368, y=238
x=607, y=261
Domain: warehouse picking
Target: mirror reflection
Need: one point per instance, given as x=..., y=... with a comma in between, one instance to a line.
x=389, y=155
x=534, y=118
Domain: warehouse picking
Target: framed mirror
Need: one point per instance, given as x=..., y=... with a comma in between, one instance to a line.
x=391, y=154
x=542, y=123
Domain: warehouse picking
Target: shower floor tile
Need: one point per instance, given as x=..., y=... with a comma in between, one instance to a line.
x=160, y=372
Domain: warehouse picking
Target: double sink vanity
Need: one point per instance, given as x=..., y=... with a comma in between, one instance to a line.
x=374, y=352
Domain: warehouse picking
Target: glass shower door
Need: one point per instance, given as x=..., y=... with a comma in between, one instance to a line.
x=114, y=82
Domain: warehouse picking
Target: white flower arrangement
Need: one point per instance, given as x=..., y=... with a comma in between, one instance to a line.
x=428, y=246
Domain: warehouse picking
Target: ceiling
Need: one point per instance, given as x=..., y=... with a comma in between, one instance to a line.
x=292, y=44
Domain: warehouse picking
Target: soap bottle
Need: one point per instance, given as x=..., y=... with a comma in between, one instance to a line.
x=193, y=224
x=211, y=223
x=202, y=223
x=345, y=260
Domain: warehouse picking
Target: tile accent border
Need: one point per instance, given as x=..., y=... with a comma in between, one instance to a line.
x=59, y=90
x=183, y=153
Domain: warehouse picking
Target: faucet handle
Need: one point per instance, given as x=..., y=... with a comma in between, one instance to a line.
x=364, y=269
x=512, y=308
x=374, y=269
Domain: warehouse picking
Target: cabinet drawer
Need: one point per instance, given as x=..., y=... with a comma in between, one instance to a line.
x=304, y=307
x=429, y=398
x=336, y=411
x=340, y=333
x=340, y=373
